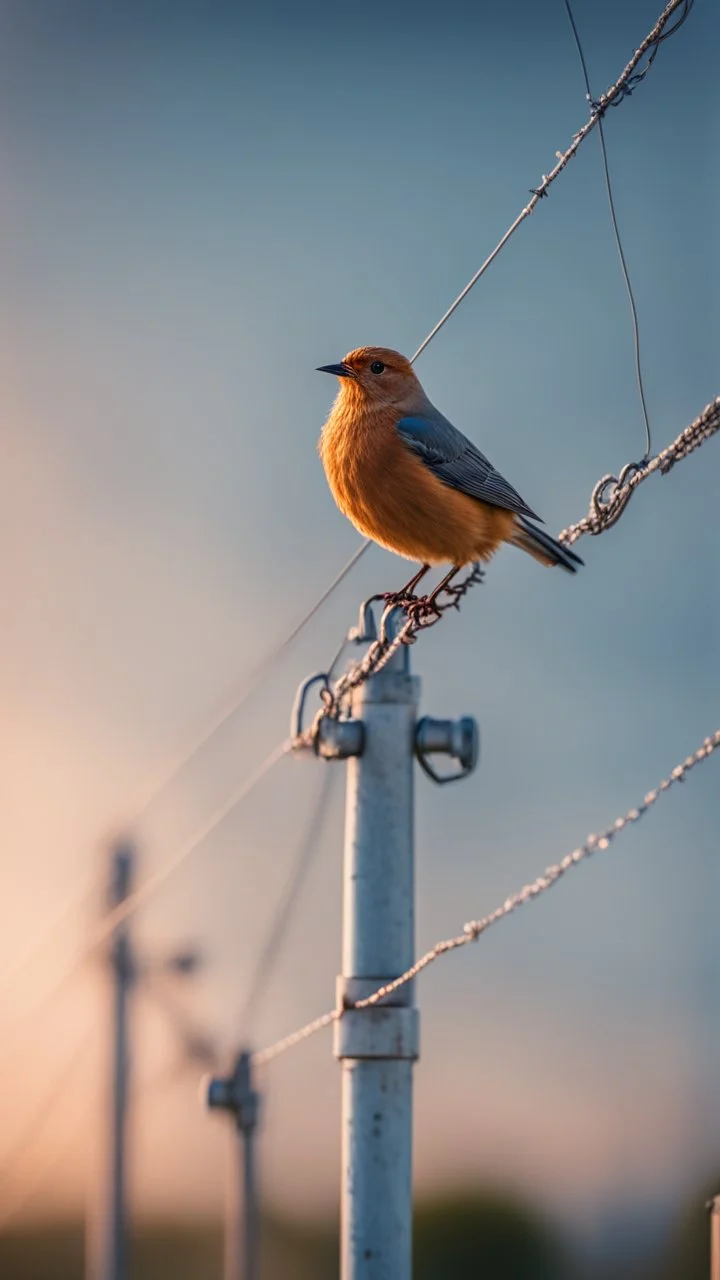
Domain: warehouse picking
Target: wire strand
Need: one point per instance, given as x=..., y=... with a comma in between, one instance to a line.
x=130, y=904
x=47, y=1105
x=134, y=900
x=162, y=779
x=618, y=241
x=475, y=928
x=37, y=940
x=11, y=1205
x=621, y=89
x=277, y=928
x=241, y=693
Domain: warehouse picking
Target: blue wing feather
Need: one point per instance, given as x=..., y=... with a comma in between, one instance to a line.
x=457, y=462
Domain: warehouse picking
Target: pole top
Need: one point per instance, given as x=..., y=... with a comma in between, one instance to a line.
x=121, y=872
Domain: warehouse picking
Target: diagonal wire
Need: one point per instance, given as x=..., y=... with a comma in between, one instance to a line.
x=277, y=928
x=616, y=233
x=34, y=944
x=12, y=1206
x=46, y=1107
x=162, y=779
x=475, y=928
x=624, y=84
x=241, y=693
x=134, y=900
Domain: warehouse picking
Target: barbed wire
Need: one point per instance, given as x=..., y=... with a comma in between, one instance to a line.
x=608, y=501
x=474, y=929
x=623, y=87
x=612, y=493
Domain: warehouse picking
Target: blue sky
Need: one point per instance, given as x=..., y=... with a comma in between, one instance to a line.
x=199, y=205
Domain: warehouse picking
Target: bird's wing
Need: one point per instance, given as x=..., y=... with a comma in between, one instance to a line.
x=455, y=460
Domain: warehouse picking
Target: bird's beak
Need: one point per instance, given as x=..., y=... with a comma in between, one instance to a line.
x=340, y=370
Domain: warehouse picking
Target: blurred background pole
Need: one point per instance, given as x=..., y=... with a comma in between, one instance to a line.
x=714, y=1207
x=235, y=1093
x=378, y=1046
x=114, y=1263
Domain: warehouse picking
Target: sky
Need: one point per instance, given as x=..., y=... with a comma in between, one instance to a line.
x=199, y=205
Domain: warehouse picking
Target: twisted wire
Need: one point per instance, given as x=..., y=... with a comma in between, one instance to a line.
x=612, y=494
x=474, y=929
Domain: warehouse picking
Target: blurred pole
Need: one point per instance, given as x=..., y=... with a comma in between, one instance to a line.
x=235, y=1093
x=377, y=1046
x=714, y=1207
x=114, y=1262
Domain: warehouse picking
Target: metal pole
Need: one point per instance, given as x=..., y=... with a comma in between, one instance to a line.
x=714, y=1207
x=115, y=1252
x=235, y=1094
x=377, y=1046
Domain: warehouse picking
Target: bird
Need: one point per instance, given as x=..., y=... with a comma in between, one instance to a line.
x=412, y=482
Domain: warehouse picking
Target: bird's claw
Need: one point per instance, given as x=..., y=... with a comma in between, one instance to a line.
x=401, y=599
x=423, y=610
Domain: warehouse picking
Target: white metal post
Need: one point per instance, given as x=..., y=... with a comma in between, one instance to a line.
x=377, y=1046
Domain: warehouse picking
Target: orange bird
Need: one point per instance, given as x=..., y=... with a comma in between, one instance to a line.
x=408, y=479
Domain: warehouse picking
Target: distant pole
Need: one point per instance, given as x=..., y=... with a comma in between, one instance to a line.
x=235, y=1094
x=714, y=1207
x=114, y=1266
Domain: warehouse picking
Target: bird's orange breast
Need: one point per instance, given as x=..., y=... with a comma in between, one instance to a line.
x=392, y=497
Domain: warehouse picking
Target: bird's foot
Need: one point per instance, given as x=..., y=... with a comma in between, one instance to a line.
x=426, y=610
x=401, y=598
x=423, y=611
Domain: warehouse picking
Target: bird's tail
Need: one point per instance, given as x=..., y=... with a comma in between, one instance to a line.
x=542, y=547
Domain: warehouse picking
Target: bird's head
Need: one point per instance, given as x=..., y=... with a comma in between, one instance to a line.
x=376, y=375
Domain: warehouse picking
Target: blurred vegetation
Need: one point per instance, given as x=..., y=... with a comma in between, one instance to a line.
x=458, y=1237
x=493, y=1236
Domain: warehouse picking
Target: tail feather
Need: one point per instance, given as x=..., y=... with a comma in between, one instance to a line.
x=542, y=547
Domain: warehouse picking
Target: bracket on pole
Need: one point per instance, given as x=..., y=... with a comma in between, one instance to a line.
x=234, y=1093
x=459, y=739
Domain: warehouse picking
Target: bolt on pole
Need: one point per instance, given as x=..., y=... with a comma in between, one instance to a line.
x=377, y=1046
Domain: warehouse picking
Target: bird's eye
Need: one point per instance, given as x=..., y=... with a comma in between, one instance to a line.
x=377, y=366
